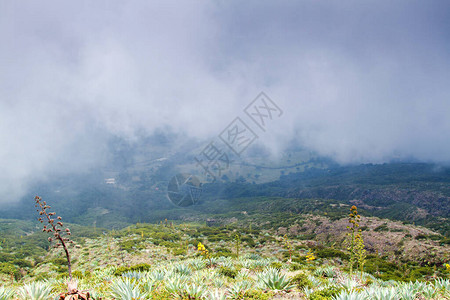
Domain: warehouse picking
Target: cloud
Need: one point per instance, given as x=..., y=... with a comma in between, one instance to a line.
x=359, y=82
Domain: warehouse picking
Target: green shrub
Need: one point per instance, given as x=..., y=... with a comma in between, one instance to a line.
x=421, y=237
x=382, y=227
x=22, y=263
x=140, y=267
x=445, y=241
x=325, y=294
x=301, y=281
x=228, y=272
x=276, y=265
x=421, y=272
x=328, y=252
x=131, y=245
x=179, y=251
x=295, y=267
x=77, y=274
x=222, y=251
x=258, y=295
x=250, y=242
x=311, y=236
x=10, y=269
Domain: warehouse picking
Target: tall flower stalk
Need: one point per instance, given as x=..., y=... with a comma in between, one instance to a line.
x=360, y=251
x=353, y=227
x=287, y=244
x=55, y=226
x=237, y=244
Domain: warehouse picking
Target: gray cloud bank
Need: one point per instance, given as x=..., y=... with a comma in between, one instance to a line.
x=359, y=81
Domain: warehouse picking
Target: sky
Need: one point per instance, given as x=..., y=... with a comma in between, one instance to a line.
x=358, y=81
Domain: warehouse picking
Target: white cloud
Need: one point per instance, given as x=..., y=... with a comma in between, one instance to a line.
x=359, y=83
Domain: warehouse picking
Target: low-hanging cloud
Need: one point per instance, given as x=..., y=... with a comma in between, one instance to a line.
x=358, y=81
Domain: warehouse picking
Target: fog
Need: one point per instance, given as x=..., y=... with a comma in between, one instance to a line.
x=358, y=82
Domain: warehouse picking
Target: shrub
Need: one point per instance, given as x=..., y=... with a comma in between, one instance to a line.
x=228, y=272
x=276, y=265
x=326, y=293
x=295, y=267
x=258, y=295
x=77, y=274
x=140, y=267
x=301, y=281
x=328, y=252
x=10, y=269
x=421, y=237
x=382, y=227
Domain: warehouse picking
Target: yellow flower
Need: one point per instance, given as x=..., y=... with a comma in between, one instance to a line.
x=447, y=266
x=310, y=256
x=200, y=247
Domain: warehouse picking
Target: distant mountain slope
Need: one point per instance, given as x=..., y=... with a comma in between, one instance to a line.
x=410, y=192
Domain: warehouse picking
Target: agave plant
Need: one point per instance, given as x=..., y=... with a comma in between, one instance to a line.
x=238, y=290
x=227, y=263
x=193, y=291
x=350, y=296
x=429, y=291
x=175, y=284
x=197, y=278
x=95, y=294
x=273, y=280
x=243, y=275
x=133, y=274
x=349, y=284
x=260, y=264
x=126, y=289
x=35, y=291
x=182, y=269
x=406, y=292
x=148, y=285
x=5, y=294
x=307, y=291
x=209, y=275
x=197, y=264
x=156, y=275
x=104, y=274
x=212, y=261
x=327, y=271
x=315, y=281
x=382, y=293
x=246, y=263
x=252, y=256
x=218, y=282
x=442, y=284
x=217, y=295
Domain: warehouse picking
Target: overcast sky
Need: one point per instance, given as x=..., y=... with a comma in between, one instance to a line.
x=358, y=81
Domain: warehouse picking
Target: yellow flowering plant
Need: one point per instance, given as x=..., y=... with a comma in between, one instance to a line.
x=204, y=252
x=310, y=256
x=355, y=241
x=287, y=244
